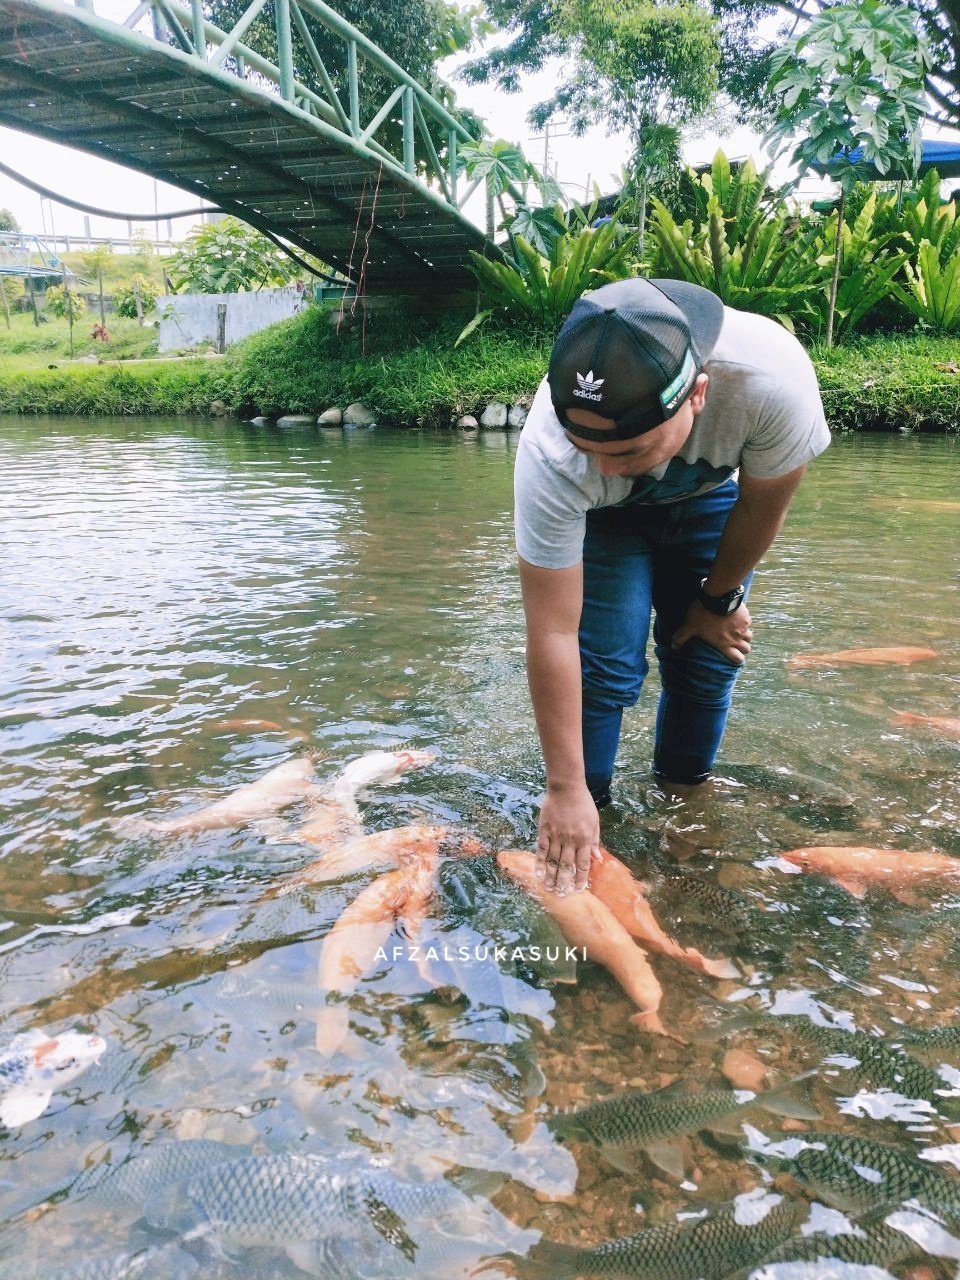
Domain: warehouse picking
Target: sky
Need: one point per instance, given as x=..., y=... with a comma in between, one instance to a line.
x=577, y=163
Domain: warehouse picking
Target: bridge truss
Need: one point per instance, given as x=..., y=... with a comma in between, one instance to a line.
x=292, y=146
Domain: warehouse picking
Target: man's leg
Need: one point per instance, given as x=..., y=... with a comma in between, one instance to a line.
x=614, y=626
x=697, y=680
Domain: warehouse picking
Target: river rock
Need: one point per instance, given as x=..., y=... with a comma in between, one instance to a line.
x=358, y=415
x=218, y=409
x=467, y=422
x=260, y=421
x=494, y=415
x=296, y=420
x=331, y=418
x=517, y=415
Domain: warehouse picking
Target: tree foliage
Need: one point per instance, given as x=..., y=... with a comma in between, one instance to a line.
x=627, y=63
x=7, y=221
x=852, y=80
x=228, y=257
x=748, y=34
x=750, y=37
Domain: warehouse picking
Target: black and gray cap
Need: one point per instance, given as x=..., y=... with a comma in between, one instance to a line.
x=631, y=351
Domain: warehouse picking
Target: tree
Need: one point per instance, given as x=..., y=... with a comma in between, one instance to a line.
x=649, y=66
x=628, y=62
x=228, y=257
x=749, y=34
x=94, y=263
x=7, y=221
x=750, y=38
x=854, y=79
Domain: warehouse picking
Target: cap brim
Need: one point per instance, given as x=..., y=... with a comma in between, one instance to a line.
x=702, y=309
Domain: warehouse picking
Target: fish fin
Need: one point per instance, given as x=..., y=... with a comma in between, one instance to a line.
x=333, y=1027
x=649, y=1020
x=303, y=1254
x=904, y=895
x=22, y=1105
x=622, y=1158
x=547, y=1260
x=721, y=968
x=787, y=1100
x=852, y=885
x=672, y=1157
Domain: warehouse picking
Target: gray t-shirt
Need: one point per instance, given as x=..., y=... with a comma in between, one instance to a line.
x=762, y=413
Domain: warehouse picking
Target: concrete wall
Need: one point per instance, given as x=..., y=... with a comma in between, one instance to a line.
x=193, y=319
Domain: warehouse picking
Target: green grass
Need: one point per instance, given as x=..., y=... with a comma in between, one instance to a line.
x=26, y=346
x=408, y=371
x=896, y=382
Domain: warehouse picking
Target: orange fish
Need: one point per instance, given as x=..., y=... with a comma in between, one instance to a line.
x=390, y=848
x=893, y=655
x=949, y=726
x=586, y=922
x=856, y=868
x=351, y=946
x=612, y=882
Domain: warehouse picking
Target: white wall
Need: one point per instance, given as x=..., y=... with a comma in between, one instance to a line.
x=190, y=319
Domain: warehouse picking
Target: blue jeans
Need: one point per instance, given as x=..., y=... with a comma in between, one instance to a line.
x=643, y=561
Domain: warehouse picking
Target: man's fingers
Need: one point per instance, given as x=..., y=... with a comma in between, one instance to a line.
x=583, y=860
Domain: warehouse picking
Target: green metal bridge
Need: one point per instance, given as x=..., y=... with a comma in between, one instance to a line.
x=283, y=145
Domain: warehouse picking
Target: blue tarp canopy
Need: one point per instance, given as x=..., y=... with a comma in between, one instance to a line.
x=935, y=153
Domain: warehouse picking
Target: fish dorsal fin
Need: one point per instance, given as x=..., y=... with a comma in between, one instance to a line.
x=21, y=1105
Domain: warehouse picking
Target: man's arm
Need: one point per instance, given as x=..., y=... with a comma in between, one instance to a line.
x=569, y=825
x=752, y=525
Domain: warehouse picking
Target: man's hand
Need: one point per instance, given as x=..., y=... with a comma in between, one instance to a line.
x=731, y=635
x=569, y=839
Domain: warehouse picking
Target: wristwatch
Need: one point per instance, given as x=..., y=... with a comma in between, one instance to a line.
x=723, y=605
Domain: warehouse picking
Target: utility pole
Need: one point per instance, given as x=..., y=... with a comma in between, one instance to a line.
x=551, y=130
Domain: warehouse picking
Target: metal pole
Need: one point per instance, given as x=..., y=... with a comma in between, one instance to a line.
x=354, y=83
x=284, y=49
x=199, y=39
x=409, y=161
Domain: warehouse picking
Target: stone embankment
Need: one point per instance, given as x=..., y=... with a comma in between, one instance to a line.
x=496, y=416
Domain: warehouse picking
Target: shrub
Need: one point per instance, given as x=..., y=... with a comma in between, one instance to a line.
x=125, y=298
x=62, y=301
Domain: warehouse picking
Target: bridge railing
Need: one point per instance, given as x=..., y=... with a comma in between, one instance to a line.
x=423, y=119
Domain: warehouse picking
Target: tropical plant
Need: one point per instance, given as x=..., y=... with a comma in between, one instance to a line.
x=924, y=216
x=852, y=81
x=933, y=288
x=742, y=243
x=542, y=289
x=869, y=264
x=228, y=257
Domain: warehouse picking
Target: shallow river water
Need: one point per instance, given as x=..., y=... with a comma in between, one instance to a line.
x=186, y=605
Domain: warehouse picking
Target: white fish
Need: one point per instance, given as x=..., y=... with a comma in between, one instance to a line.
x=334, y=813
x=34, y=1064
x=283, y=785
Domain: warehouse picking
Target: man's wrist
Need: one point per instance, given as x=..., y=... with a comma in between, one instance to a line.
x=722, y=603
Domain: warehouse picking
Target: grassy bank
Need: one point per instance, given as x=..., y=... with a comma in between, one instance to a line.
x=407, y=370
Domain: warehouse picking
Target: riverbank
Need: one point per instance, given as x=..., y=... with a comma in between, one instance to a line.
x=408, y=372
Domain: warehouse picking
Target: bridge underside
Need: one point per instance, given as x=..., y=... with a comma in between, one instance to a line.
x=249, y=154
